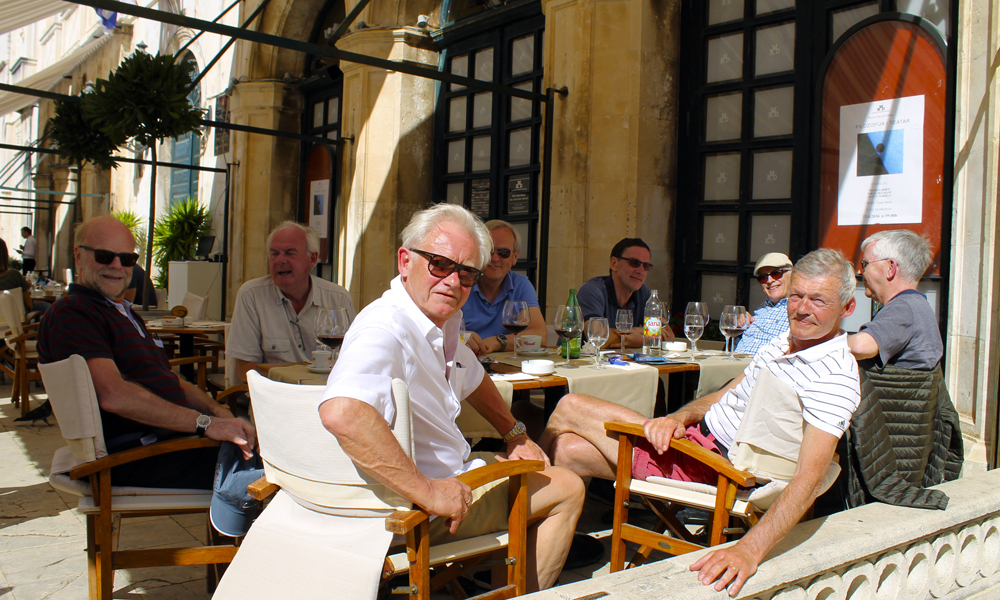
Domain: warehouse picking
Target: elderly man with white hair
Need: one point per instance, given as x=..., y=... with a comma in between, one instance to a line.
x=412, y=333
x=905, y=331
x=274, y=319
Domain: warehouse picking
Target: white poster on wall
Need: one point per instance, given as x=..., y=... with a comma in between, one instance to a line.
x=319, y=206
x=881, y=162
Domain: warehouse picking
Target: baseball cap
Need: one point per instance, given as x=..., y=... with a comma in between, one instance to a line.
x=772, y=259
x=233, y=510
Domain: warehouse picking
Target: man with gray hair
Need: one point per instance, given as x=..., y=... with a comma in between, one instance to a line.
x=813, y=360
x=904, y=332
x=274, y=319
x=412, y=333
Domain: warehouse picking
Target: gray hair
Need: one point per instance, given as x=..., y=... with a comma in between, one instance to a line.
x=312, y=238
x=425, y=221
x=499, y=224
x=826, y=262
x=911, y=252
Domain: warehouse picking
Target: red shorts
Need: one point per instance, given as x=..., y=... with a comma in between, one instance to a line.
x=673, y=464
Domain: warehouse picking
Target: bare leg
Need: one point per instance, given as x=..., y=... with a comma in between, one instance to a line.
x=584, y=418
x=556, y=498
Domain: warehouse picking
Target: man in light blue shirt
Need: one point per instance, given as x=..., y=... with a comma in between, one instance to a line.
x=483, y=311
x=770, y=319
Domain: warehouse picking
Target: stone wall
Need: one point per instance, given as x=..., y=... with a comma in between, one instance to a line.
x=871, y=552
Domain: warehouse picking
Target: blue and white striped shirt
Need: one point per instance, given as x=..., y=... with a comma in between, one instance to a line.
x=769, y=321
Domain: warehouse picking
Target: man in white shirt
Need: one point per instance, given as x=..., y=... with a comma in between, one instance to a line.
x=28, y=251
x=274, y=319
x=412, y=333
x=813, y=359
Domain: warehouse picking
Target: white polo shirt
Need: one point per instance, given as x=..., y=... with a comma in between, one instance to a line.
x=392, y=338
x=824, y=376
x=265, y=327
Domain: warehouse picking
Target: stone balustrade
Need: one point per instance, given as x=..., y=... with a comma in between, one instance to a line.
x=875, y=551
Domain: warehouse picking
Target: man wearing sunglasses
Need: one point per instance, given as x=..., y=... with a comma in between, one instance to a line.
x=623, y=287
x=412, y=333
x=141, y=399
x=904, y=332
x=770, y=319
x=483, y=311
x=274, y=317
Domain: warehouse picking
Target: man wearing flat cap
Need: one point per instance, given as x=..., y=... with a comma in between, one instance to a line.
x=770, y=319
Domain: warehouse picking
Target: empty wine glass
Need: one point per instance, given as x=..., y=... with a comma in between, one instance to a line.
x=516, y=318
x=732, y=323
x=463, y=333
x=331, y=325
x=623, y=324
x=694, y=327
x=568, y=322
x=597, y=333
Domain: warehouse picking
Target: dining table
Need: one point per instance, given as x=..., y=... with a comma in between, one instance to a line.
x=185, y=337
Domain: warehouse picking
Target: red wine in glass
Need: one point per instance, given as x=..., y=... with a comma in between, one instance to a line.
x=568, y=334
x=515, y=329
x=333, y=341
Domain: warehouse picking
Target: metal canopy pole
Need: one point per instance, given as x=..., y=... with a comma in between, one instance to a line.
x=215, y=20
x=135, y=161
x=342, y=28
x=228, y=44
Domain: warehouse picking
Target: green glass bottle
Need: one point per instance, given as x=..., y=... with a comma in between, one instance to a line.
x=574, y=344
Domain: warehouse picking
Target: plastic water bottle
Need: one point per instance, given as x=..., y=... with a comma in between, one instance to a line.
x=652, y=324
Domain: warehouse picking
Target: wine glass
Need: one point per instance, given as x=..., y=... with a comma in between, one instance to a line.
x=568, y=322
x=623, y=324
x=597, y=334
x=694, y=327
x=516, y=318
x=463, y=333
x=732, y=323
x=331, y=325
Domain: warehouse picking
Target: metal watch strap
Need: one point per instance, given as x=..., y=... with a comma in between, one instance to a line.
x=518, y=429
x=503, y=342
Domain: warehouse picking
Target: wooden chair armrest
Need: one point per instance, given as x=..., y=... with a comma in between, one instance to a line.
x=483, y=475
x=133, y=454
x=33, y=317
x=190, y=360
x=30, y=326
x=402, y=521
x=28, y=335
x=233, y=392
x=699, y=453
x=262, y=489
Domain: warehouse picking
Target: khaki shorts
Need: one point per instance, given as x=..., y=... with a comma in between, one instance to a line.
x=488, y=513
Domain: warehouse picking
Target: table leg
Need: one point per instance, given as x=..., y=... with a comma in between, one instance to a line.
x=186, y=349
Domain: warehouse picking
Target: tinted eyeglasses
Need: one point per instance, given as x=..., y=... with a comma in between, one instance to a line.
x=503, y=252
x=441, y=266
x=635, y=263
x=106, y=257
x=775, y=274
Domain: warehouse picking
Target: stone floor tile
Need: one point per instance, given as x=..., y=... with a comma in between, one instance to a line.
x=68, y=587
x=158, y=532
x=44, y=563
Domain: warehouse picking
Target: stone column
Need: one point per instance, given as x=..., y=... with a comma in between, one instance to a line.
x=615, y=135
x=63, y=180
x=387, y=169
x=972, y=360
x=266, y=179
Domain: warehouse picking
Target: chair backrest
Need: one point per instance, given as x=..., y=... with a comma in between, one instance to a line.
x=305, y=459
x=74, y=401
x=229, y=365
x=197, y=306
x=13, y=317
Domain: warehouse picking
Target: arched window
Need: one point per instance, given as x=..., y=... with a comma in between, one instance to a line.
x=186, y=150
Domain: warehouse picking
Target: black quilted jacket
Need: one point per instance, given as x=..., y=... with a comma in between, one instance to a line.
x=904, y=437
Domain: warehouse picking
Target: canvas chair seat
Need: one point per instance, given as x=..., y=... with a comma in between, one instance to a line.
x=85, y=465
x=20, y=348
x=331, y=525
x=31, y=347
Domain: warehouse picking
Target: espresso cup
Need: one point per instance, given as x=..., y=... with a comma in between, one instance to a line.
x=529, y=343
x=322, y=359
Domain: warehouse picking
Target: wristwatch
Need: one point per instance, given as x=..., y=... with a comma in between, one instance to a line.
x=503, y=341
x=203, y=423
x=517, y=430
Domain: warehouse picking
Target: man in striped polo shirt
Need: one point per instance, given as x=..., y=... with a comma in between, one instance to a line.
x=141, y=399
x=813, y=359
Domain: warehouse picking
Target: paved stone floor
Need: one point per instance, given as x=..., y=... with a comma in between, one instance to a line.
x=43, y=538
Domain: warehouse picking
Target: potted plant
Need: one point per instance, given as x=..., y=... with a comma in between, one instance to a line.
x=176, y=235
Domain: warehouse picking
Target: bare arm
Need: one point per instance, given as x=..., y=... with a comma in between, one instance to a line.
x=739, y=562
x=536, y=326
x=632, y=339
x=135, y=402
x=488, y=403
x=660, y=431
x=365, y=437
x=862, y=345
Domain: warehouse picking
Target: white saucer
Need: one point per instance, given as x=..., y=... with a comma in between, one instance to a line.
x=313, y=369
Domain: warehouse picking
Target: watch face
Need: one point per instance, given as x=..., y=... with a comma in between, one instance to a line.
x=204, y=421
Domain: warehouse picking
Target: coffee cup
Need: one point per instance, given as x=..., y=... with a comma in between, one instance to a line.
x=529, y=343
x=322, y=359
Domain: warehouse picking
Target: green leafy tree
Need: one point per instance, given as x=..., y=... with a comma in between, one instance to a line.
x=77, y=139
x=137, y=226
x=176, y=235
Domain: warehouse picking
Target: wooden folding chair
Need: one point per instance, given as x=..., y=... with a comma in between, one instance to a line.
x=84, y=466
x=306, y=462
x=19, y=349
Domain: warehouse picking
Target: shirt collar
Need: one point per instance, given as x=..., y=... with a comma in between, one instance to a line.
x=426, y=327
x=506, y=288
x=817, y=352
x=769, y=304
x=279, y=296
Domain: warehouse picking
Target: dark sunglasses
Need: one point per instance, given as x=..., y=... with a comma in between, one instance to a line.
x=106, y=257
x=502, y=252
x=440, y=266
x=776, y=274
x=635, y=263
